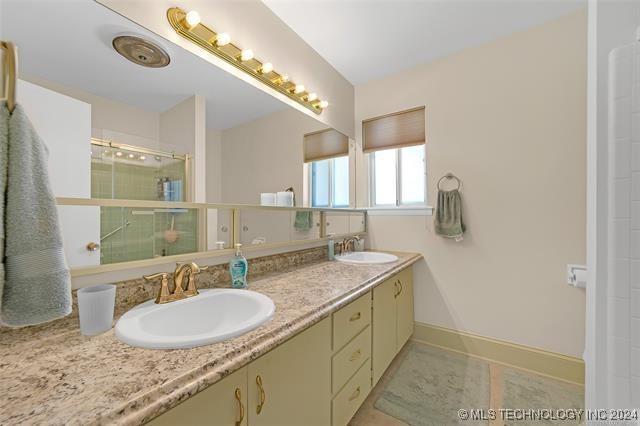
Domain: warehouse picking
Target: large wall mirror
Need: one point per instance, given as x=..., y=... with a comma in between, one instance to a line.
x=170, y=144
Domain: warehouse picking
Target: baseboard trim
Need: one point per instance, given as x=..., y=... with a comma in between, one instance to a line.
x=557, y=366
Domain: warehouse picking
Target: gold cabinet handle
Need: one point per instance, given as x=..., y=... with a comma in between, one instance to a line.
x=240, y=407
x=355, y=317
x=400, y=284
x=355, y=394
x=395, y=284
x=262, y=394
x=355, y=355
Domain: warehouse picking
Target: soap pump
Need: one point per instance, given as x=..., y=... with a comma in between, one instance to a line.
x=331, y=247
x=238, y=269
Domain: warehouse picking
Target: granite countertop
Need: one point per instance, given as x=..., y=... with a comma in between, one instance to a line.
x=52, y=374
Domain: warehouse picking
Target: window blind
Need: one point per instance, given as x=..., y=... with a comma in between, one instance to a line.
x=397, y=130
x=325, y=144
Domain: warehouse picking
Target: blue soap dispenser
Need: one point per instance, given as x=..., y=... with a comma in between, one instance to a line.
x=238, y=269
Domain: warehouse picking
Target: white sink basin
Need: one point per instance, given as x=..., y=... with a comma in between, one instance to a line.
x=212, y=316
x=366, y=257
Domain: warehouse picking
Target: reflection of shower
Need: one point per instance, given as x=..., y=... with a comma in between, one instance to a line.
x=119, y=228
x=130, y=172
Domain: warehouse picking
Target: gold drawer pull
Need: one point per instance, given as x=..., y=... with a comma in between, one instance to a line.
x=262, y=394
x=355, y=355
x=397, y=292
x=355, y=394
x=240, y=407
x=355, y=317
x=400, y=284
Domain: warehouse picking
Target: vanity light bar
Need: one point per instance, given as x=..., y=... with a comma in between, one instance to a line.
x=189, y=26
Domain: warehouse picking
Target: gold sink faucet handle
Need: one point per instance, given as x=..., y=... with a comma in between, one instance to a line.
x=164, y=292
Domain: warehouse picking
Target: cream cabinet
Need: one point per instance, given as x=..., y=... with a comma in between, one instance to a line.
x=392, y=320
x=291, y=385
x=222, y=404
x=320, y=376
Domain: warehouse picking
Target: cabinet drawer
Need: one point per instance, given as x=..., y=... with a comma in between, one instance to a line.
x=350, y=358
x=350, y=320
x=351, y=397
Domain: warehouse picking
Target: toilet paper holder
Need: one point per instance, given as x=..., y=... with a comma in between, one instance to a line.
x=577, y=275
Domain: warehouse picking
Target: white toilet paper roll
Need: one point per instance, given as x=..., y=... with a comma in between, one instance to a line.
x=581, y=278
x=268, y=199
x=284, y=199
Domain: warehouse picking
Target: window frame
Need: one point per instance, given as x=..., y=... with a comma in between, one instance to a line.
x=331, y=184
x=398, y=165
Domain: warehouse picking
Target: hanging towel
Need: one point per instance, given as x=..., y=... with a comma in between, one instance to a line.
x=448, y=219
x=304, y=220
x=37, y=285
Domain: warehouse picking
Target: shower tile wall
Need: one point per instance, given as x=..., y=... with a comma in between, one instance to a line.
x=143, y=237
x=624, y=227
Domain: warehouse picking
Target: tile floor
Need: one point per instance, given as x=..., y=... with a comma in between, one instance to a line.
x=412, y=393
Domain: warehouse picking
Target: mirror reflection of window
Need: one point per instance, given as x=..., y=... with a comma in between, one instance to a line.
x=327, y=154
x=330, y=183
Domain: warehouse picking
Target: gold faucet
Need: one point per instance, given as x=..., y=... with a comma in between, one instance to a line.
x=344, y=244
x=165, y=295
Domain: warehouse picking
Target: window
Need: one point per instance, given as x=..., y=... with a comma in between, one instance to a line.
x=329, y=182
x=397, y=176
x=395, y=145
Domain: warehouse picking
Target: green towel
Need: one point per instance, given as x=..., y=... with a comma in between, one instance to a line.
x=448, y=218
x=37, y=286
x=304, y=220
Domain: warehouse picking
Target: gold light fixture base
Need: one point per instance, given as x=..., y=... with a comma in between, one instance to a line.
x=205, y=37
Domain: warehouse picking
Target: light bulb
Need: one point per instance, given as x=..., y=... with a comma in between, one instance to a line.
x=246, y=55
x=266, y=68
x=324, y=104
x=132, y=156
x=222, y=39
x=298, y=89
x=284, y=78
x=192, y=19
x=142, y=157
x=118, y=154
x=312, y=97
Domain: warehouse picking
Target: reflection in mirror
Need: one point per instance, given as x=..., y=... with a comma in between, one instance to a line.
x=101, y=235
x=337, y=223
x=271, y=226
x=186, y=131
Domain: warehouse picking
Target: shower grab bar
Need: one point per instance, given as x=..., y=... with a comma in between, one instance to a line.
x=119, y=228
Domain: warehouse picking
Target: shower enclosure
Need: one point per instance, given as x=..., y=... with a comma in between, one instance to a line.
x=135, y=173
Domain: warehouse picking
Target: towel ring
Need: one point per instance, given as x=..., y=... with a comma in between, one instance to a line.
x=10, y=70
x=449, y=176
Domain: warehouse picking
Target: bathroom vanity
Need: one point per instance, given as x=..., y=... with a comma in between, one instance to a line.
x=335, y=329
x=319, y=377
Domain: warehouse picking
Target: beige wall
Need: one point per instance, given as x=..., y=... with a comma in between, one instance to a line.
x=253, y=25
x=265, y=155
x=508, y=118
x=214, y=166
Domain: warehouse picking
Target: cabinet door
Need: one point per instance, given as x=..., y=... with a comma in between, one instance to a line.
x=291, y=385
x=404, y=302
x=218, y=405
x=384, y=327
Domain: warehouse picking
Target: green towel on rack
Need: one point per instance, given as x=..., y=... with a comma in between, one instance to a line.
x=304, y=220
x=37, y=285
x=448, y=218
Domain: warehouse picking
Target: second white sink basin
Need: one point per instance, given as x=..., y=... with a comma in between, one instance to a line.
x=211, y=316
x=366, y=257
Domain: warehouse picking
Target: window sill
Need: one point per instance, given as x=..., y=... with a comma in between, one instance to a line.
x=400, y=211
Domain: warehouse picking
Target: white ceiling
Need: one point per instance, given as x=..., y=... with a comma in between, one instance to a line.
x=366, y=40
x=69, y=42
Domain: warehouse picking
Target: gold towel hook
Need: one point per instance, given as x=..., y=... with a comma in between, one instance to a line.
x=10, y=70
